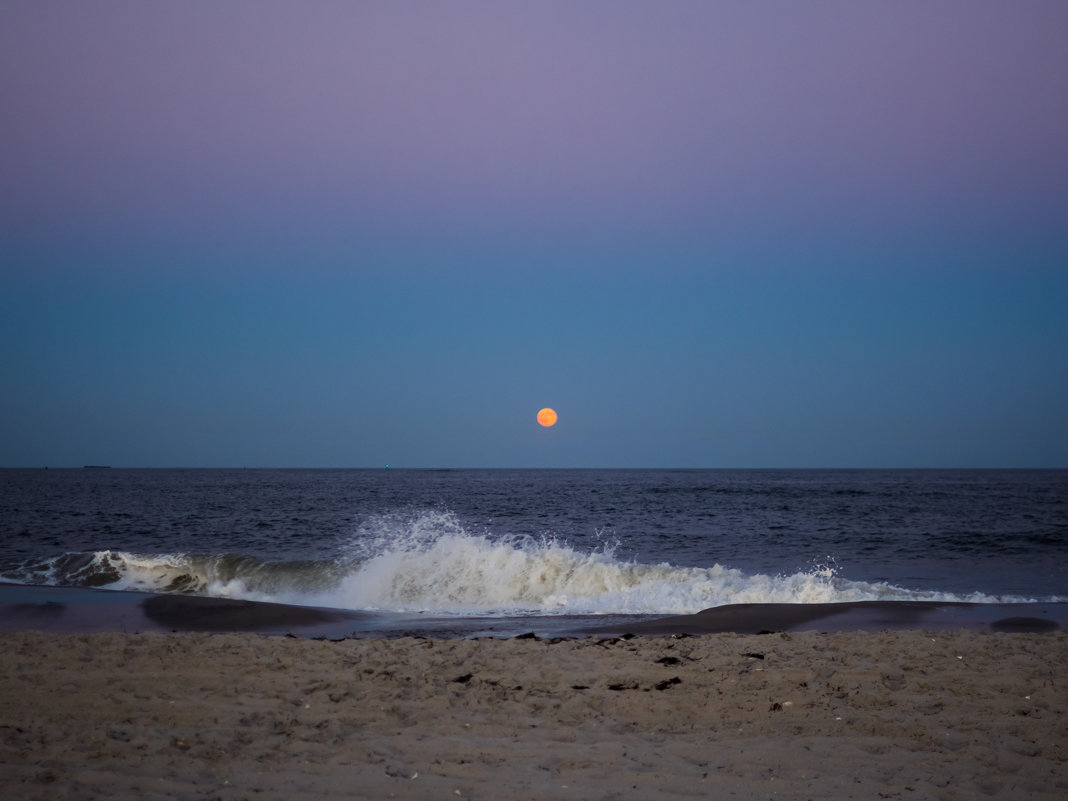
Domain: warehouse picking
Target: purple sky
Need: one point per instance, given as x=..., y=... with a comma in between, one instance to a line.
x=257, y=141
x=664, y=118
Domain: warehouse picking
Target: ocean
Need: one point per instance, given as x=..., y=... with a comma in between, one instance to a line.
x=542, y=543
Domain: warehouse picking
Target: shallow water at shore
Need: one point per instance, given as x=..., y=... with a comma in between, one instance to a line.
x=69, y=610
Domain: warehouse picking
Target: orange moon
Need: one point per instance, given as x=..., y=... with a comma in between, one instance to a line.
x=547, y=417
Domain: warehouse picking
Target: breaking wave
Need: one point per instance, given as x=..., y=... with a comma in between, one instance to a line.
x=427, y=562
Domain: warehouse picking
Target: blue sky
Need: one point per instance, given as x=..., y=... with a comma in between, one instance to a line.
x=708, y=234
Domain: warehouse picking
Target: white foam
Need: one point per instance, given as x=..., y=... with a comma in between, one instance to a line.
x=425, y=561
x=432, y=565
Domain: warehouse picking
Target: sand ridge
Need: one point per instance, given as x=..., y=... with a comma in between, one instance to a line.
x=904, y=714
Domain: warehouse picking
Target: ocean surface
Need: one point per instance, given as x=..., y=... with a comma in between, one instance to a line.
x=485, y=543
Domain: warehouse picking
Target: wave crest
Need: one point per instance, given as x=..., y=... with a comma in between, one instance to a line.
x=426, y=562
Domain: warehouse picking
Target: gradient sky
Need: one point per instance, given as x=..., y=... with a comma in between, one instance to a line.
x=710, y=234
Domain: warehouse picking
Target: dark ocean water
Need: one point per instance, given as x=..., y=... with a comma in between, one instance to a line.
x=542, y=542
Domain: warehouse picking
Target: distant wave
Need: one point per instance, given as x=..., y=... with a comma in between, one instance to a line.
x=426, y=562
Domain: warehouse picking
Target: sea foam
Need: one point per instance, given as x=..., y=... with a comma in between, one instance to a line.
x=427, y=562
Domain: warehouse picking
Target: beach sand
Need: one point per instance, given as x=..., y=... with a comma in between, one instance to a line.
x=907, y=714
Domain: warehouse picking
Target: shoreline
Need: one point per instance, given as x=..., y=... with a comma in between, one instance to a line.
x=85, y=610
x=931, y=703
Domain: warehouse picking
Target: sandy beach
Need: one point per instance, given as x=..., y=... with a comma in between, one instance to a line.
x=906, y=714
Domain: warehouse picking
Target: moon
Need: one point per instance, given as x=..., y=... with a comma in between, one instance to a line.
x=547, y=417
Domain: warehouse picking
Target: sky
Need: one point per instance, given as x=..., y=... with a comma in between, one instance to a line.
x=709, y=234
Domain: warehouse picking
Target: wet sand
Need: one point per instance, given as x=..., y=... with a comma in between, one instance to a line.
x=972, y=707
x=860, y=616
